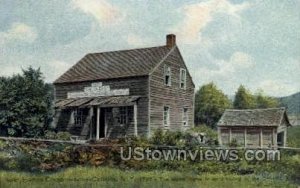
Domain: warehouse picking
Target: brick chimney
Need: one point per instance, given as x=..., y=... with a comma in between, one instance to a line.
x=171, y=40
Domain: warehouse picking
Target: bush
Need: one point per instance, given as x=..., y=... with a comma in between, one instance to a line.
x=51, y=135
x=168, y=138
x=63, y=136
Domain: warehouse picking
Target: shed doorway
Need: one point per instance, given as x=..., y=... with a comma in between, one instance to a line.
x=280, y=139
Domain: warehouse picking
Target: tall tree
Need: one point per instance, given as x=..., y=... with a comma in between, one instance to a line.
x=210, y=103
x=244, y=99
x=25, y=104
x=263, y=101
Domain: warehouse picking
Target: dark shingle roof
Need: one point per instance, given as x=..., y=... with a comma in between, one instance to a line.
x=253, y=117
x=115, y=64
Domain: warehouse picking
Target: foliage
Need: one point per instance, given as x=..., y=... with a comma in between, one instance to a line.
x=293, y=138
x=243, y=99
x=25, y=104
x=168, y=138
x=210, y=103
x=263, y=101
x=210, y=133
x=145, y=178
x=63, y=136
x=51, y=135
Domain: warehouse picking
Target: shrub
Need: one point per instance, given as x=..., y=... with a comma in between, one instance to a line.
x=63, y=136
x=57, y=136
x=51, y=135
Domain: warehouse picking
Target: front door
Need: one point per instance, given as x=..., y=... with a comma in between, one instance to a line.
x=102, y=123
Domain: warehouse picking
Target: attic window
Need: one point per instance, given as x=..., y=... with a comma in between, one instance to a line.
x=167, y=75
x=182, y=78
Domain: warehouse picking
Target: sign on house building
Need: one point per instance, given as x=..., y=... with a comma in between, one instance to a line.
x=97, y=90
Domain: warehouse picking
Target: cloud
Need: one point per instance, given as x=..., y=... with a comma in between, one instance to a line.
x=10, y=70
x=241, y=60
x=198, y=16
x=55, y=69
x=278, y=87
x=18, y=32
x=104, y=12
x=137, y=41
x=225, y=68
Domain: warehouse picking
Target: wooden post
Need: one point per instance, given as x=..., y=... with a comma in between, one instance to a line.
x=98, y=124
x=245, y=137
x=229, y=135
x=219, y=136
x=106, y=124
x=284, y=137
x=91, y=122
x=261, y=138
x=135, y=119
x=274, y=137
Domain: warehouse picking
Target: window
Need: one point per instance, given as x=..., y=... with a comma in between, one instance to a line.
x=182, y=78
x=167, y=75
x=123, y=115
x=78, y=117
x=185, y=117
x=166, y=116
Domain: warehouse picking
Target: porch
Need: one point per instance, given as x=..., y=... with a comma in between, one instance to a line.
x=100, y=117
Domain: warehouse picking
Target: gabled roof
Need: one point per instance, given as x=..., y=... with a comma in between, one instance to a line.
x=115, y=64
x=253, y=117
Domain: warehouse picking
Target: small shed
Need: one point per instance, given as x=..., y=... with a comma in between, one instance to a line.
x=254, y=127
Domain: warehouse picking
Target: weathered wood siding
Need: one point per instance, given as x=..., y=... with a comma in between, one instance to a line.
x=252, y=138
x=136, y=85
x=172, y=96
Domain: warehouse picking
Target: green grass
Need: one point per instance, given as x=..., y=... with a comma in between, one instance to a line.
x=93, y=177
x=293, y=136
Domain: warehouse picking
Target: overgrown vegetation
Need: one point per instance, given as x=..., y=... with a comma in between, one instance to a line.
x=52, y=157
x=211, y=102
x=293, y=138
x=25, y=104
x=128, y=178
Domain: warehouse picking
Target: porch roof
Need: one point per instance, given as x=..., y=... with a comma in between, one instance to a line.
x=97, y=101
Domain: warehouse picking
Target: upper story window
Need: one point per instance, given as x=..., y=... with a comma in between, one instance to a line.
x=78, y=117
x=185, y=117
x=182, y=78
x=167, y=75
x=166, y=116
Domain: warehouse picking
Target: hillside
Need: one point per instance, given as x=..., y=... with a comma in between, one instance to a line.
x=292, y=103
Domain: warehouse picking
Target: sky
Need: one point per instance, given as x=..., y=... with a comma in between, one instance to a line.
x=230, y=42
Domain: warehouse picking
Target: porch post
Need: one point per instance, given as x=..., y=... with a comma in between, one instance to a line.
x=284, y=138
x=229, y=135
x=98, y=124
x=135, y=119
x=261, y=138
x=245, y=137
x=219, y=136
x=274, y=137
x=91, y=121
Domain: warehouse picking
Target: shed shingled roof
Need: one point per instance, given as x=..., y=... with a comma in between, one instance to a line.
x=115, y=64
x=253, y=117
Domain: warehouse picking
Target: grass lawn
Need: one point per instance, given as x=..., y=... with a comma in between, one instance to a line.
x=293, y=136
x=109, y=177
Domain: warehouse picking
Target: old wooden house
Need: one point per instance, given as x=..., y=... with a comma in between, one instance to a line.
x=125, y=93
x=254, y=127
